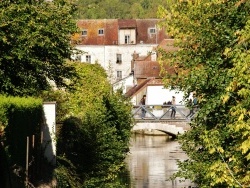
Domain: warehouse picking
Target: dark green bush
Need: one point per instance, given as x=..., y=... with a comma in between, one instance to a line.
x=97, y=143
x=20, y=117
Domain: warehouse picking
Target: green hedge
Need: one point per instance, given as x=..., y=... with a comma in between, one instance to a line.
x=19, y=118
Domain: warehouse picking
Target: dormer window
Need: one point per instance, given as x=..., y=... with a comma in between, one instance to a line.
x=84, y=32
x=152, y=30
x=100, y=31
x=127, y=39
x=127, y=36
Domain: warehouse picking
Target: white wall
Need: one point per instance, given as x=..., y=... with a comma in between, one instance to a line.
x=107, y=54
x=49, y=131
x=130, y=32
x=96, y=52
x=124, y=83
x=158, y=95
x=133, y=100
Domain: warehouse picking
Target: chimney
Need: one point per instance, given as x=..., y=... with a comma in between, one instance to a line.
x=135, y=55
x=153, y=56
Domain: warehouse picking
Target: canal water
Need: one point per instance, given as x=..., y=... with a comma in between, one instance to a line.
x=152, y=160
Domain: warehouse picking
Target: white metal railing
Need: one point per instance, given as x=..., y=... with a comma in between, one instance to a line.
x=163, y=112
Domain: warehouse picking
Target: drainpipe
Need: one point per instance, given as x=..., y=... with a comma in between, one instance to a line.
x=156, y=34
x=105, y=44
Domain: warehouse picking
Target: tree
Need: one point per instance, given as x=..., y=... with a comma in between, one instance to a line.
x=212, y=60
x=88, y=88
x=34, y=42
x=119, y=9
x=95, y=134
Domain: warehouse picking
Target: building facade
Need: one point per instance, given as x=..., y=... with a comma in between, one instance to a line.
x=148, y=78
x=112, y=43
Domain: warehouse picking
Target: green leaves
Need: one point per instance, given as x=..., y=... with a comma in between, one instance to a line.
x=104, y=9
x=212, y=60
x=34, y=41
x=96, y=127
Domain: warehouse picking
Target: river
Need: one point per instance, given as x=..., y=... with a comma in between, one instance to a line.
x=152, y=160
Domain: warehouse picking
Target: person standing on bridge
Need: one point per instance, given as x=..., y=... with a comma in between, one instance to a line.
x=173, y=107
x=193, y=106
x=142, y=103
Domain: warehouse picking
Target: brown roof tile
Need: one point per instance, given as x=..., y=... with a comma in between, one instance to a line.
x=137, y=88
x=154, y=82
x=143, y=34
x=110, y=36
x=167, y=45
x=125, y=24
x=146, y=69
x=111, y=28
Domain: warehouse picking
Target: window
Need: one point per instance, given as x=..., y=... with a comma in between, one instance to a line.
x=84, y=32
x=118, y=58
x=119, y=75
x=88, y=58
x=100, y=31
x=152, y=30
x=127, y=39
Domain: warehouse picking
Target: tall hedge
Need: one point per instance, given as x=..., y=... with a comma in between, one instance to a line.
x=19, y=118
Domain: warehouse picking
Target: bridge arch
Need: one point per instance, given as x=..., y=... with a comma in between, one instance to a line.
x=167, y=128
x=168, y=133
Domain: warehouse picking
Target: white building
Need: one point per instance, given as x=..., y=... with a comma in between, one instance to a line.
x=115, y=59
x=112, y=42
x=148, y=81
x=126, y=50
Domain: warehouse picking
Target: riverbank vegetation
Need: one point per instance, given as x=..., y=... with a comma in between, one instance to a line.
x=213, y=60
x=93, y=138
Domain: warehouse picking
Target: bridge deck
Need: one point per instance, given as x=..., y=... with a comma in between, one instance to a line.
x=152, y=120
x=159, y=118
x=163, y=113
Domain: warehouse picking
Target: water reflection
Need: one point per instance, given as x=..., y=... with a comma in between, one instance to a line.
x=152, y=160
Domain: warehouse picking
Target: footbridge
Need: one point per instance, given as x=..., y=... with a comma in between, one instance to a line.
x=170, y=119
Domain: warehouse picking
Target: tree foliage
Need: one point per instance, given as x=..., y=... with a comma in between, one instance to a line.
x=88, y=88
x=111, y=9
x=34, y=42
x=212, y=59
x=85, y=91
x=95, y=135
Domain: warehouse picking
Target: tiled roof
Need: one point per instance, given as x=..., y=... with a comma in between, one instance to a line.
x=142, y=58
x=154, y=82
x=137, y=88
x=143, y=25
x=111, y=28
x=148, y=72
x=110, y=36
x=124, y=24
x=146, y=69
x=167, y=45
